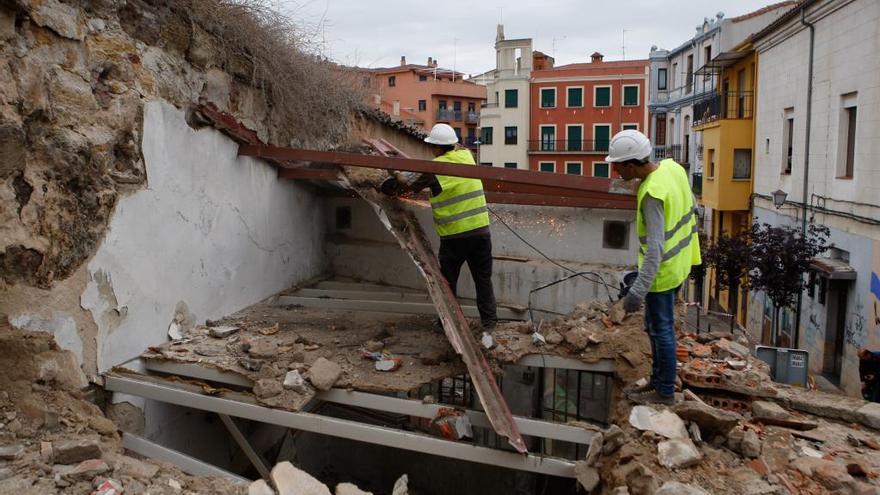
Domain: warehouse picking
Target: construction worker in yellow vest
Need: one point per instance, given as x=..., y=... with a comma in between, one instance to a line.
x=668, y=247
x=460, y=216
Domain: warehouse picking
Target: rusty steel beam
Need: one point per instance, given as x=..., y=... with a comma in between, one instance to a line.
x=559, y=181
x=547, y=200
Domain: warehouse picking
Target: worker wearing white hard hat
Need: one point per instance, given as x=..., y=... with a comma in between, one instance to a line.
x=668, y=247
x=461, y=218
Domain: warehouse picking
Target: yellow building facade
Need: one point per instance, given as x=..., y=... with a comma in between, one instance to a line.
x=726, y=121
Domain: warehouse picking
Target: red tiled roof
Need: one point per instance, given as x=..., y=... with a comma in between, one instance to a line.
x=764, y=10
x=600, y=65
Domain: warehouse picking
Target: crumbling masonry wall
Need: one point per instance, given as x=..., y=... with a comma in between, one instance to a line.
x=116, y=217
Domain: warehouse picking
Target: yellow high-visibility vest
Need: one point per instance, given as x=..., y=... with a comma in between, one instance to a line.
x=681, y=250
x=461, y=206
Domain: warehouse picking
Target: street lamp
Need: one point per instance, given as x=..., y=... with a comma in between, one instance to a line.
x=779, y=198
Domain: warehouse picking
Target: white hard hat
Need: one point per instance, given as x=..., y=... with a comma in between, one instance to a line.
x=629, y=144
x=442, y=134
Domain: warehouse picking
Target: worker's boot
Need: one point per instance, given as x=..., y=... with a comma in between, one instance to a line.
x=653, y=397
x=639, y=389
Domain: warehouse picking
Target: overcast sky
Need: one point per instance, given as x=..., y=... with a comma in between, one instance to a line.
x=375, y=33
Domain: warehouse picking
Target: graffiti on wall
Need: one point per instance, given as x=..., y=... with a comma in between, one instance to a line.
x=855, y=330
x=874, y=298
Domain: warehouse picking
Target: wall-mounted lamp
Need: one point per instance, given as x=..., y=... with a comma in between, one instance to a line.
x=779, y=198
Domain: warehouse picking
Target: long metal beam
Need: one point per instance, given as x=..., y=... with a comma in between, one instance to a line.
x=410, y=407
x=238, y=405
x=380, y=295
x=404, y=307
x=256, y=459
x=561, y=181
x=619, y=203
x=417, y=408
x=187, y=464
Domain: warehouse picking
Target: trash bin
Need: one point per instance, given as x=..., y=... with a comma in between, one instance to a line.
x=786, y=365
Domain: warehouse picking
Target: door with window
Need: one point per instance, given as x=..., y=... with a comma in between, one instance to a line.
x=548, y=138
x=601, y=137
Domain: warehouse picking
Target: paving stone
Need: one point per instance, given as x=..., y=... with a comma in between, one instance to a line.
x=292, y=481
x=324, y=374
x=74, y=451
x=678, y=453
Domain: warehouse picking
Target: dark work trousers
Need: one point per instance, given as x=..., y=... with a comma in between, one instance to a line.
x=476, y=250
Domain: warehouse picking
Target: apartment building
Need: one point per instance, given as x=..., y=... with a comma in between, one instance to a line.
x=675, y=87
x=576, y=108
x=817, y=144
x=504, y=118
x=424, y=95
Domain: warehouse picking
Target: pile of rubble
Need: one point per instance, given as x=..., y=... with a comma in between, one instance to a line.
x=54, y=440
x=734, y=431
x=288, y=480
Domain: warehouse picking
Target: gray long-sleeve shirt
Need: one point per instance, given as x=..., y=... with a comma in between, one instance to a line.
x=652, y=212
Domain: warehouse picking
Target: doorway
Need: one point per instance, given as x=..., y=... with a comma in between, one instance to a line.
x=835, y=328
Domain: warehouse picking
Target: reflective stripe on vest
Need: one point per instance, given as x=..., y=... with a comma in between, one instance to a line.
x=461, y=205
x=681, y=247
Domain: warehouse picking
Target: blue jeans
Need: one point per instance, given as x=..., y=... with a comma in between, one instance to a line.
x=659, y=323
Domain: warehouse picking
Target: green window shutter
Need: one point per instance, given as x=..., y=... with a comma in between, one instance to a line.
x=603, y=97
x=601, y=136
x=548, y=97
x=634, y=127
x=601, y=170
x=575, y=97
x=547, y=167
x=630, y=96
x=574, y=137
x=511, y=98
x=573, y=168
x=509, y=164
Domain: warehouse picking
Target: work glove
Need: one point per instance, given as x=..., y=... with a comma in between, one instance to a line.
x=632, y=303
x=390, y=186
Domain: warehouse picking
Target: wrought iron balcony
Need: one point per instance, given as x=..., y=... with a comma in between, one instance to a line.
x=568, y=146
x=472, y=118
x=729, y=105
x=447, y=115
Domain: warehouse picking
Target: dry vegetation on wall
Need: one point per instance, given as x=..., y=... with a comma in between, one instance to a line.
x=74, y=76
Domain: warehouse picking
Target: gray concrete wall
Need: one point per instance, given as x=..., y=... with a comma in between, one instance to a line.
x=571, y=236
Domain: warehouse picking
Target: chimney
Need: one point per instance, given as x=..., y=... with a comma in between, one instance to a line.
x=434, y=63
x=402, y=60
x=430, y=62
x=596, y=58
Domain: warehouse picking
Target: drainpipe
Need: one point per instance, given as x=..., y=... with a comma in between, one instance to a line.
x=800, y=298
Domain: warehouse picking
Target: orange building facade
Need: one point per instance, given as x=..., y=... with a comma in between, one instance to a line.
x=576, y=108
x=425, y=95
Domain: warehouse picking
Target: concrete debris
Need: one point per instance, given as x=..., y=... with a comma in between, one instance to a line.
x=350, y=489
x=578, y=338
x=270, y=330
x=108, y=487
x=135, y=468
x=324, y=374
x=260, y=487
x=640, y=480
x=694, y=430
x=487, y=341
x=452, y=424
x=632, y=358
x=553, y=337
x=175, y=331
x=267, y=387
x=175, y=485
x=11, y=452
x=586, y=475
x=401, y=486
x=263, y=349
x=762, y=409
x=374, y=345
x=664, y=423
x=751, y=444
x=736, y=364
x=616, y=313
x=710, y=419
x=727, y=348
x=289, y=480
x=250, y=364
x=613, y=438
x=676, y=488
x=538, y=339
x=74, y=451
x=869, y=415
x=392, y=364
x=86, y=470
x=595, y=450
x=678, y=453
x=293, y=380
x=222, y=332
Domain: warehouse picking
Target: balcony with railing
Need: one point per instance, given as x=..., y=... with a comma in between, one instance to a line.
x=472, y=117
x=447, y=115
x=727, y=105
x=568, y=146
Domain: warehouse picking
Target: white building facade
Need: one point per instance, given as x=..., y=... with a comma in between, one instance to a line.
x=832, y=171
x=504, y=119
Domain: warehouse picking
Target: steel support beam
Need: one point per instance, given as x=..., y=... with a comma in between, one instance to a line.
x=404, y=307
x=256, y=459
x=528, y=177
x=238, y=405
x=187, y=464
x=563, y=363
x=620, y=202
x=372, y=295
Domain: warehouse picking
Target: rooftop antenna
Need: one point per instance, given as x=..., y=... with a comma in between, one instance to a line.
x=454, y=56
x=623, y=46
